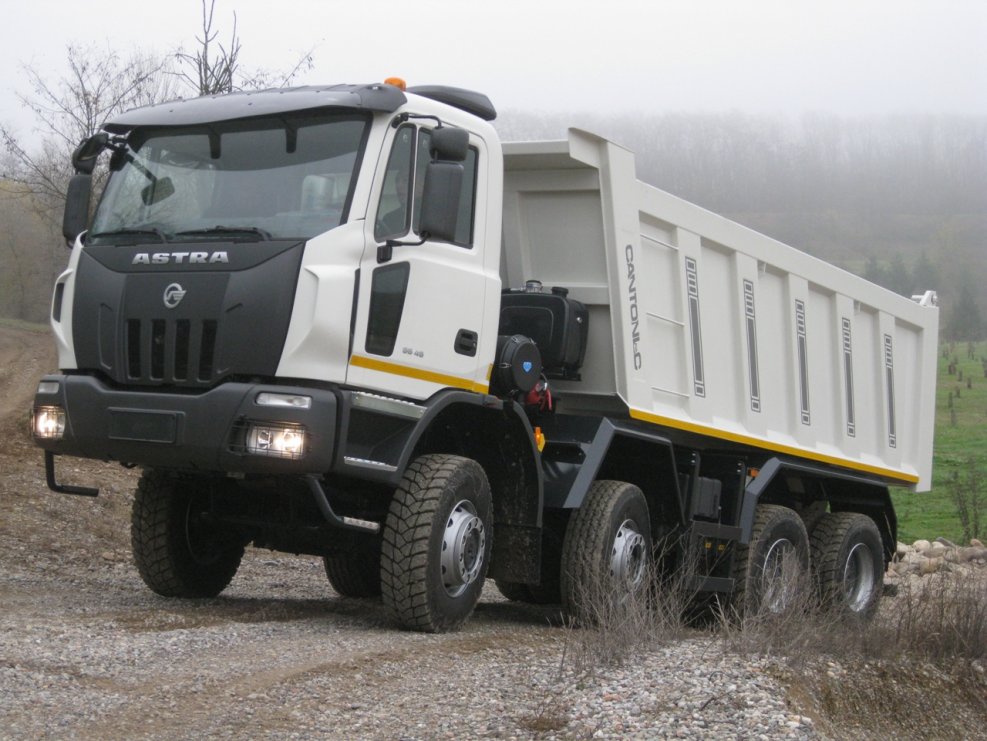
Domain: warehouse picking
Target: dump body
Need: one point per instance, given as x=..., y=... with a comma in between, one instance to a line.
x=719, y=334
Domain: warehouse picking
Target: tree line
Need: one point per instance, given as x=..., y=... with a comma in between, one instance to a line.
x=900, y=200
x=98, y=83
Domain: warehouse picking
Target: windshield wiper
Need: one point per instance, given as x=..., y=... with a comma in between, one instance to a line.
x=132, y=232
x=249, y=231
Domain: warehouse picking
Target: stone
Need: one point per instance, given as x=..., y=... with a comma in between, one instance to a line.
x=946, y=542
x=976, y=543
x=930, y=566
x=921, y=546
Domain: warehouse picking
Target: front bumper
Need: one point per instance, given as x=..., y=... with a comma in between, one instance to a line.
x=201, y=431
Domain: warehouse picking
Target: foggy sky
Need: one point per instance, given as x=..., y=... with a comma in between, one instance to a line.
x=862, y=57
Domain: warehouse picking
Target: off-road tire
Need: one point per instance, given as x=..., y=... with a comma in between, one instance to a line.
x=774, y=527
x=513, y=591
x=848, y=563
x=356, y=572
x=611, y=511
x=548, y=592
x=176, y=551
x=441, y=498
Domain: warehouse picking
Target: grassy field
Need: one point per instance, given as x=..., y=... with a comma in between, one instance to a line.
x=961, y=441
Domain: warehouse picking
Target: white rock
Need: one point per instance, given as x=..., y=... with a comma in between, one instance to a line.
x=930, y=566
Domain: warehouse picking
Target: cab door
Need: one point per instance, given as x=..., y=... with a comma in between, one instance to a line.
x=420, y=314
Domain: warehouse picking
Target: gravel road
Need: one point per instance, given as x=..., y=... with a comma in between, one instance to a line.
x=87, y=652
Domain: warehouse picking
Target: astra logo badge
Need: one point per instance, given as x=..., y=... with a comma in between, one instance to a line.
x=180, y=258
x=173, y=295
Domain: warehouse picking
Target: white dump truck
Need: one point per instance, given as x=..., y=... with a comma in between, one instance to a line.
x=347, y=321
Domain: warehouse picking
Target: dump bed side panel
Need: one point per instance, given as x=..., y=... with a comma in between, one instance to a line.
x=704, y=326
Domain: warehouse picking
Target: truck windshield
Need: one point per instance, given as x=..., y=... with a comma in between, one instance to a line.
x=247, y=180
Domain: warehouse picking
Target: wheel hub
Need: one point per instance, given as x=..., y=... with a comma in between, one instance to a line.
x=627, y=555
x=858, y=577
x=463, y=546
x=779, y=581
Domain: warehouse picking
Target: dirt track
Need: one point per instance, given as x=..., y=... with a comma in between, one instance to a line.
x=88, y=652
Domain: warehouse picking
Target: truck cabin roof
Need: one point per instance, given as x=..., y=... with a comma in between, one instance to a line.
x=377, y=97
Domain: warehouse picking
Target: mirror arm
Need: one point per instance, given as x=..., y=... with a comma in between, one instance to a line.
x=386, y=251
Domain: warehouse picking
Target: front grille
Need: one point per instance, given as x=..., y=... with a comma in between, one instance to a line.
x=179, y=351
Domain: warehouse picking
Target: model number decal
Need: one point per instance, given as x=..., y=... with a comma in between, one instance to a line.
x=632, y=300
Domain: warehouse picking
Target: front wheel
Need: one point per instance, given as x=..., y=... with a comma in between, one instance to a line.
x=178, y=550
x=606, y=554
x=437, y=542
x=848, y=562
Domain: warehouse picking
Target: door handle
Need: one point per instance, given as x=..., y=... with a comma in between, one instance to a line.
x=466, y=342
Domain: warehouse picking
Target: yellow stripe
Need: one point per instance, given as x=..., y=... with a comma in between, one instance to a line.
x=776, y=447
x=396, y=369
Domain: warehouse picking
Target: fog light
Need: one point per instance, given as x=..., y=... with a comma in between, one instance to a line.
x=281, y=441
x=49, y=423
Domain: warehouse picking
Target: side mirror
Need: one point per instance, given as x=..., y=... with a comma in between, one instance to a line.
x=449, y=144
x=84, y=156
x=76, y=217
x=440, y=200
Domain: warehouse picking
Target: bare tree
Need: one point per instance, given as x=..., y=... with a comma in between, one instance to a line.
x=215, y=68
x=99, y=84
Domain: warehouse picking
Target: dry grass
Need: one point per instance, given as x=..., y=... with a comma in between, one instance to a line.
x=616, y=628
x=919, y=666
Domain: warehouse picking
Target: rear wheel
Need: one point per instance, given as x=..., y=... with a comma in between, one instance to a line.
x=607, y=551
x=547, y=592
x=513, y=591
x=355, y=572
x=768, y=570
x=437, y=541
x=178, y=550
x=848, y=562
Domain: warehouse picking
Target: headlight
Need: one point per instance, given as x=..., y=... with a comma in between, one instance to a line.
x=48, y=423
x=281, y=441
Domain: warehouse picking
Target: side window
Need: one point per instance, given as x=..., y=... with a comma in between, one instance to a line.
x=467, y=196
x=392, y=212
x=388, y=290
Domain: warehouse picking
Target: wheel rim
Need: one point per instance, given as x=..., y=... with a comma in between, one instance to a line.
x=627, y=555
x=858, y=577
x=777, y=583
x=463, y=545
